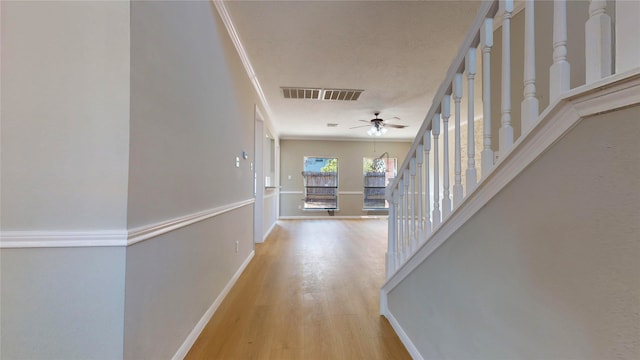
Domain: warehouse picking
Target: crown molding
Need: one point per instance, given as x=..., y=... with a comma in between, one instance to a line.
x=221, y=8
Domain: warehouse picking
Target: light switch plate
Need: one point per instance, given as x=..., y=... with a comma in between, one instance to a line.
x=237, y=161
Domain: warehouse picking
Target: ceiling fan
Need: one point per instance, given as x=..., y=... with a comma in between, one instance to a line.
x=378, y=127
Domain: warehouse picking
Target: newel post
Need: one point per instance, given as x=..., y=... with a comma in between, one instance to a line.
x=391, y=242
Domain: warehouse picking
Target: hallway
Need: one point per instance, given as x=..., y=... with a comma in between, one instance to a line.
x=310, y=292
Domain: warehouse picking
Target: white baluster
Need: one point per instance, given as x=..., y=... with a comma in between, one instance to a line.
x=427, y=196
x=457, y=186
x=413, y=238
x=627, y=30
x=446, y=198
x=391, y=246
x=597, y=47
x=471, y=174
x=486, y=38
x=560, y=70
x=407, y=237
x=398, y=224
x=401, y=227
x=435, y=130
x=506, y=130
x=529, y=106
x=419, y=161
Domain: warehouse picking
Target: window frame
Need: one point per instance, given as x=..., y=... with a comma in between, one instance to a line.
x=308, y=195
x=377, y=190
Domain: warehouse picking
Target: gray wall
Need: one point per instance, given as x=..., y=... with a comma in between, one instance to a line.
x=192, y=114
x=64, y=158
x=549, y=267
x=117, y=116
x=350, y=177
x=65, y=115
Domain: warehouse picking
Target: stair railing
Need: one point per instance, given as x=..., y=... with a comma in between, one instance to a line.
x=421, y=197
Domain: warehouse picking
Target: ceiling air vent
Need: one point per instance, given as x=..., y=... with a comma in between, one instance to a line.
x=342, y=94
x=301, y=93
x=321, y=94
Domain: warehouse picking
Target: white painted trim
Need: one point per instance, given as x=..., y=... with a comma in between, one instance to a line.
x=237, y=43
x=195, y=333
x=296, y=192
x=291, y=192
x=351, y=217
x=358, y=139
x=408, y=344
x=611, y=93
x=269, y=195
x=266, y=234
x=35, y=239
x=150, y=231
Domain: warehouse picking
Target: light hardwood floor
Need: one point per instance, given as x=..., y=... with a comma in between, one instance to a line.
x=310, y=292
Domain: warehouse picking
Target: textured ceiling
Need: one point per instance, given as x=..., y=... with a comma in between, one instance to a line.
x=397, y=51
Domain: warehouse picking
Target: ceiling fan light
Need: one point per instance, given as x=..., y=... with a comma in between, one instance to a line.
x=371, y=131
x=383, y=130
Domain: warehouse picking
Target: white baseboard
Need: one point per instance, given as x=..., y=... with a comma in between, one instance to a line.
x=193, y=335
x=408, y=344
x=269, y=231
x=337, y=217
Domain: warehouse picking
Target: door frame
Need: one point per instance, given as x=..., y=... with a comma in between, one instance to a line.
x=258, y=176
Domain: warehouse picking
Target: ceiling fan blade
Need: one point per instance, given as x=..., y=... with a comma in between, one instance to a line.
x=367, y=121
x=396, y=126
x=361, y=126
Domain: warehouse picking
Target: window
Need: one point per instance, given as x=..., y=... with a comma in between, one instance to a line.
x=320, y=183
x=377, y=173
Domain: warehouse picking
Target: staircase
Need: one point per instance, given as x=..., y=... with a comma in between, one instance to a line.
x=559, y=137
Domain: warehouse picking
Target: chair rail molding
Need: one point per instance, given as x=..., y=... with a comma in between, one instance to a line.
x=55, y=238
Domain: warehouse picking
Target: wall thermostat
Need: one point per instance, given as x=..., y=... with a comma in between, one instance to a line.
x=245, y=155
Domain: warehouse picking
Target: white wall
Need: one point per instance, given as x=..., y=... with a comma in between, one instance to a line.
x=548, y=268
x=64, y=164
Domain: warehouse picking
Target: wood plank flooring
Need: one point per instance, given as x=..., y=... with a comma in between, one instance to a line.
x=310, y=292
